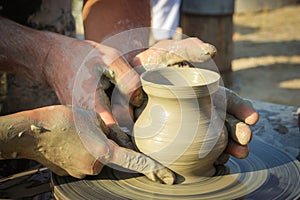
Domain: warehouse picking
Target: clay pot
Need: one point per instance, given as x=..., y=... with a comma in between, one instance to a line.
x=179, y=126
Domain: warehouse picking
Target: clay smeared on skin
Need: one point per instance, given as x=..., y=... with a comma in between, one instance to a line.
x=136, y=161
x=48, y=138
x=15, y=137
x=170, y=53
x=240, y=114
x=237, y=106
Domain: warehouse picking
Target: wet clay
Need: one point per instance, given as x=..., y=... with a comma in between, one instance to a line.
x=49, y=134
x=180, y=127
x=266, y=173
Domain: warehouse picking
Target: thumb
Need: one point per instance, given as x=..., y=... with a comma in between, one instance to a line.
x=135, y=161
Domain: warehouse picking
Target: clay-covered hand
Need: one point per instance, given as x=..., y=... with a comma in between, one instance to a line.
x=240, y=115
x=81, y=71
x=194, y=52
x=175, y=53
x=74, y=141
x=78, y=70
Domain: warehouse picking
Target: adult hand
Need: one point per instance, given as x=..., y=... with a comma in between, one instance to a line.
x=74, y=141
x=240, y=115
x=81, y=71
x=78, y=71
x=175, y=52
x=81, y=80
x=240, y=112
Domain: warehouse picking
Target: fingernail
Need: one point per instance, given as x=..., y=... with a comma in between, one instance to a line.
x=168, y=180
x=243, y=132
x=252, y=119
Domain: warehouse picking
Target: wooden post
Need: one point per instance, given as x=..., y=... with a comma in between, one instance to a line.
x=211, y=21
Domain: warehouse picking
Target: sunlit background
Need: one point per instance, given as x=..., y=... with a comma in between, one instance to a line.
x=266, y=55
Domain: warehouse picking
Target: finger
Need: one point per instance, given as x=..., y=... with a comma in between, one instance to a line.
x=138, y=111
x=137, y=97
x=236, y=150
x=161, y=176
x=197, y=51
x=238, y=131
x=223, y=158
x=124, y=115
x=237, y=106
x=166, y=175
x=241, y=108
x=127, y=80
x=121, y=138
x=120, y=73
x=170, y=52
x=135, y=161
x=129, y=85
x=115, y=133
x=102, y=125
x=102, y=106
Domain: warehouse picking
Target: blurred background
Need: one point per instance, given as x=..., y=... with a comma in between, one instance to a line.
x=263, y=62
x=266, y=58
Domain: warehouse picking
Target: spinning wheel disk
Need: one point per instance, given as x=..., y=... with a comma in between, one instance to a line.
x=267, y=172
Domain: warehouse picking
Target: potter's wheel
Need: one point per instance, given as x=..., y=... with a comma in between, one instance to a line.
x=266, y=173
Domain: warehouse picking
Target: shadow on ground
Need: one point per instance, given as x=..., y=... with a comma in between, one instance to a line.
x=246, y=48
x=275, y=83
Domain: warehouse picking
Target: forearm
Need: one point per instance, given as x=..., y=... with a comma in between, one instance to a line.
x=16, y=137
x=20, y=50
x=26, y=52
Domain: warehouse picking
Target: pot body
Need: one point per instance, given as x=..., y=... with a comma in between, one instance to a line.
x=180, y=127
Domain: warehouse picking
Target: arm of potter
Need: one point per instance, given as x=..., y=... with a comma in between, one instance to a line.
x=21, y=50
x=70, y=141
x=107, y=21
x=57, y=60
x=15, y=139
x=103, y=19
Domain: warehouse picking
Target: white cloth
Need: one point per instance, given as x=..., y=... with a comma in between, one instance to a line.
x=165, y=18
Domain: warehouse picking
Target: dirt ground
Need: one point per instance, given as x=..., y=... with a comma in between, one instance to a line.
x=266, y=63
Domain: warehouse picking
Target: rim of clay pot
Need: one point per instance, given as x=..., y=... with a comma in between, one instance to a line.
x=169, y=82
